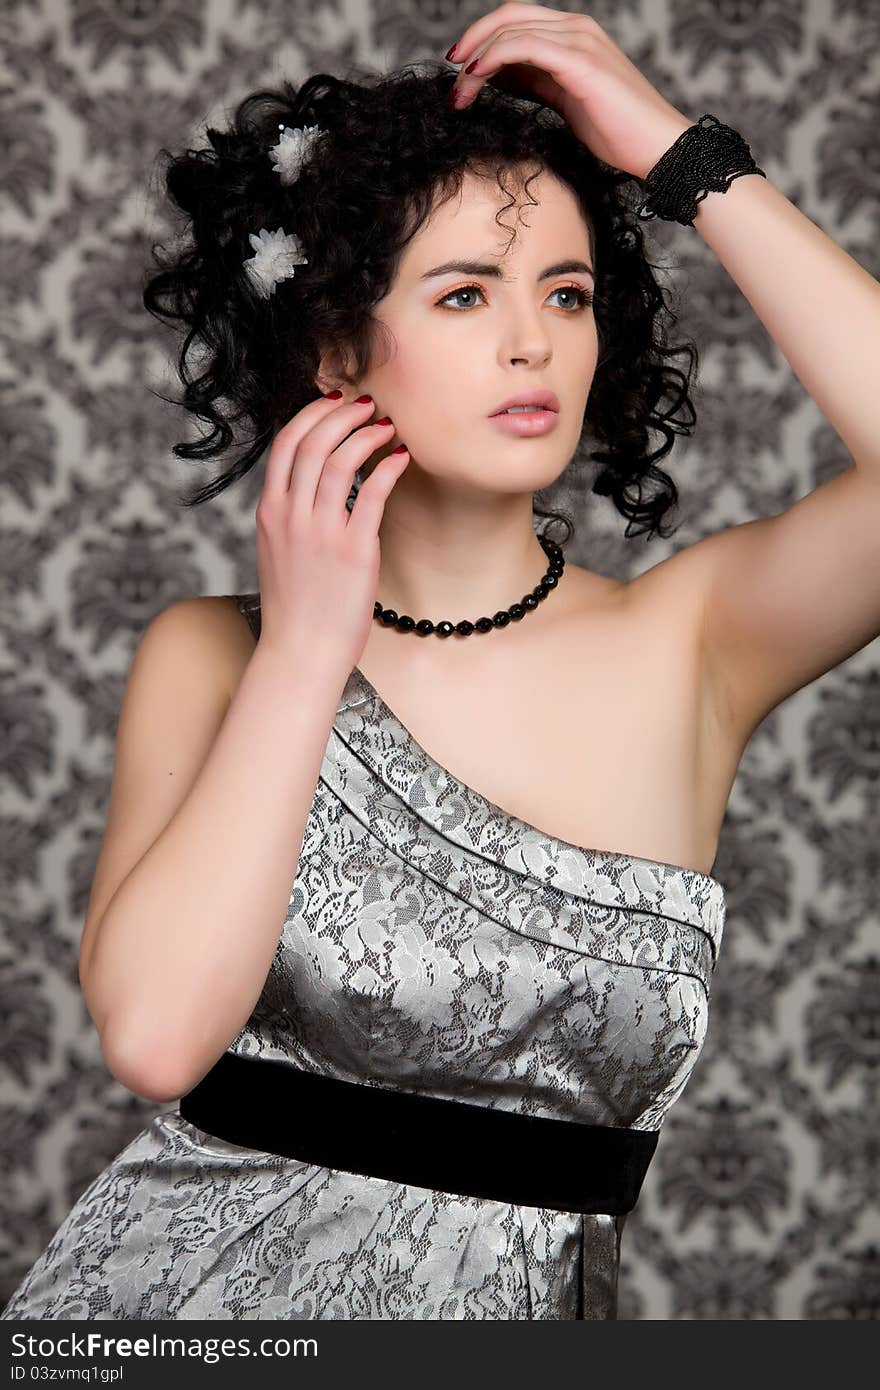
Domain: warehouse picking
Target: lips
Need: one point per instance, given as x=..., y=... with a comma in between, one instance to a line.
x=537, y=399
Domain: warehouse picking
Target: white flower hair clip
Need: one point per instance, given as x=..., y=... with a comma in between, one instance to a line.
x=292, y=151
x=277, y=253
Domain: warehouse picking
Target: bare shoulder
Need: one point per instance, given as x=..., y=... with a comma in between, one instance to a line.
x=670, y=591
x=673, y=592
x=176, y=697
x=673, y=587
x=588, y=591
x=669, y=599
x=225, y=636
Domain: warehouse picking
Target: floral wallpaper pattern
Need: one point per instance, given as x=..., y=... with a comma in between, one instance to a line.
x=762, y=1199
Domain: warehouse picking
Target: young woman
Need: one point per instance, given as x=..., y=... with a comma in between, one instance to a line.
x=427, y=968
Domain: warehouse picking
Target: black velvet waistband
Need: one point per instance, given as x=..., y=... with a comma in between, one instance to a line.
x=453, y=1146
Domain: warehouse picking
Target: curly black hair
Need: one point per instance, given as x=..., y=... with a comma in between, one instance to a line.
x=390, y=152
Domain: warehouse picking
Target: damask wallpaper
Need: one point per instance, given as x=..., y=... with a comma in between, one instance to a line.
x=762, y=1200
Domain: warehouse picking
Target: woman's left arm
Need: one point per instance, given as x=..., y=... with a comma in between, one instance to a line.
x=819, y=306
x=787, y=598
x=784, y=598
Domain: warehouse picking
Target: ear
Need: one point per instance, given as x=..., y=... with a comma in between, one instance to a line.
x=332, y=373
x=325, y=382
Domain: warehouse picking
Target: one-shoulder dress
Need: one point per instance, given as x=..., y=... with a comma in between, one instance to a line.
x=436, y=944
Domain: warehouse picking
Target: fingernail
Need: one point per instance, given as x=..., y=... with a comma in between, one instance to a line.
x=333, y=395
x=450, y=53
x=362, y=400
x=401, y=449
x=470, y=67
x=386, y=420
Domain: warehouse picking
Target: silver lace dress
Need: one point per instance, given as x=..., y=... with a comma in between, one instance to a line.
x=434, y=943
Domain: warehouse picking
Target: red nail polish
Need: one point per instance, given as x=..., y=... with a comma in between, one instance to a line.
x=470, y=67
x=386, y=420
x=450, y=53
x=333, y=395
x=362, y=400
x=401, y=449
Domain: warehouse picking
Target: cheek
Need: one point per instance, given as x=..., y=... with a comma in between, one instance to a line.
x=420, y=386
x=425, y=353
x=419, y=362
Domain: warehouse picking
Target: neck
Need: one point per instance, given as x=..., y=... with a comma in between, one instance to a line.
x=470, y=566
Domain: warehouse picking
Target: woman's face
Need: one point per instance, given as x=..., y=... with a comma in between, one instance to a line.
x=460, y=343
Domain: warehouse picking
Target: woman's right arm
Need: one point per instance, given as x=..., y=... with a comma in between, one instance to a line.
x=180, y=956
x=182, y=949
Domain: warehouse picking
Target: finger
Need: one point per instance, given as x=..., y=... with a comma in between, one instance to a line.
x=309, y=452
x=522, y=81
x=483, y=28
x=286, y=441
x=506, y=31
x=313, y=451
x=337, y=475
x=563, y=63
x=369, y=505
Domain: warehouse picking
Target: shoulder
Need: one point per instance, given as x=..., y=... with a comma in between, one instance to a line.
x=589, y=591
x=672, y=589
x=212, y=630
x=671, y=598
x=664, y=604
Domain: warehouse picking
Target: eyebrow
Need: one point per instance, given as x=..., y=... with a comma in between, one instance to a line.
x=482, y=268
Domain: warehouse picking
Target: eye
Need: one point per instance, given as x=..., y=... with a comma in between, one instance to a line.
x=583, y=298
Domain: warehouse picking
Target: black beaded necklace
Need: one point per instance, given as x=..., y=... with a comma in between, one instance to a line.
x=527, y=604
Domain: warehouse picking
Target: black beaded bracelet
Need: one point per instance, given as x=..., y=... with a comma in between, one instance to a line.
x=705, y=158
x=516, y=611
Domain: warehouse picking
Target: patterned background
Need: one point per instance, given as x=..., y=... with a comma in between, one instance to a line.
x=762, y=1198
